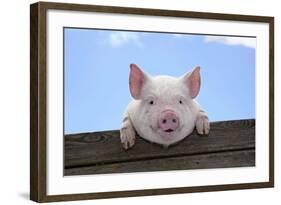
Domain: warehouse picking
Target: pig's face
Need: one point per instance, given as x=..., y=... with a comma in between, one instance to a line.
x=164, y=104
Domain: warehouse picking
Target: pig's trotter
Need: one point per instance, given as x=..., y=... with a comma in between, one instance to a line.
x=202, y=123
x=127, y=133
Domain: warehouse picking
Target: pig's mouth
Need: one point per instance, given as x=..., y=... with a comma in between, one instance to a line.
x=167, y=134
x=169, y=130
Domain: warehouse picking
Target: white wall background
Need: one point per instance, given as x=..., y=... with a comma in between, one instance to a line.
x=14, y=101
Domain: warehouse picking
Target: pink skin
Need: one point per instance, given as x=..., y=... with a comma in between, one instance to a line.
x=168, y=121
x=135, y=81
x=165, y=123
x=193, y=82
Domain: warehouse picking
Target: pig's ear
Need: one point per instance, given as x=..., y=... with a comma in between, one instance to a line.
x=193, y=81
x=136, y=81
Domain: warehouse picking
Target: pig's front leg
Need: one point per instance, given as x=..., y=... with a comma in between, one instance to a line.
x=127, y=133
x=202, y=123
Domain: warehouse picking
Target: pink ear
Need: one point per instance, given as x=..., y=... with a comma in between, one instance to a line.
x=193, y=82
x=136, y=81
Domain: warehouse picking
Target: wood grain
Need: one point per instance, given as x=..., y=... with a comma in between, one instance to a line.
x=243, y=158
x=101, y=152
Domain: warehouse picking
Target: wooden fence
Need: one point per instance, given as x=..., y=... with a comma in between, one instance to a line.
x=229, y=144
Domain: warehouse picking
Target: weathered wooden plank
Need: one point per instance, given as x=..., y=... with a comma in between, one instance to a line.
x=243, y=158
x=88, y=149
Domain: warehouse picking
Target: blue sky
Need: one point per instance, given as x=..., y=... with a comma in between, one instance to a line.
x=97, y=63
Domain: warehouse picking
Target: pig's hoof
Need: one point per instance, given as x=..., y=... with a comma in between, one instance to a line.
x=127, y=137
x=202, y=124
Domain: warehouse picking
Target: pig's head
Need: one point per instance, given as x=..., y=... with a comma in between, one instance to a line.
x=165, y=104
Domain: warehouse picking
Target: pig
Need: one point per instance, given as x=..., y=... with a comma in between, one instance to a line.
x=163, y=110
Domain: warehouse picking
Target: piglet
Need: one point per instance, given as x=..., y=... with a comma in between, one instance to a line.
x=164, y=109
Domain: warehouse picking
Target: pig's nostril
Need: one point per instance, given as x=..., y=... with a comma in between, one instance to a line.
x=164, y=121
x=174, y=120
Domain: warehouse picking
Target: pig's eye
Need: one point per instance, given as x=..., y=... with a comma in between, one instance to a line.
x=151, y=102
x=180, y=102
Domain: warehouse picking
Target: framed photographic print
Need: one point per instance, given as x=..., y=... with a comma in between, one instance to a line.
x=134, y=102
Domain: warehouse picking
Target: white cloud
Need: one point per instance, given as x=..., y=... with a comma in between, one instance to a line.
x=243, y=41
x=120, y=38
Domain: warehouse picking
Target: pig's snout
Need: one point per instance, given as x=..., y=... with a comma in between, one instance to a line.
x=168, y=121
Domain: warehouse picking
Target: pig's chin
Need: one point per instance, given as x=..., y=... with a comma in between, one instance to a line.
x=166, y=136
